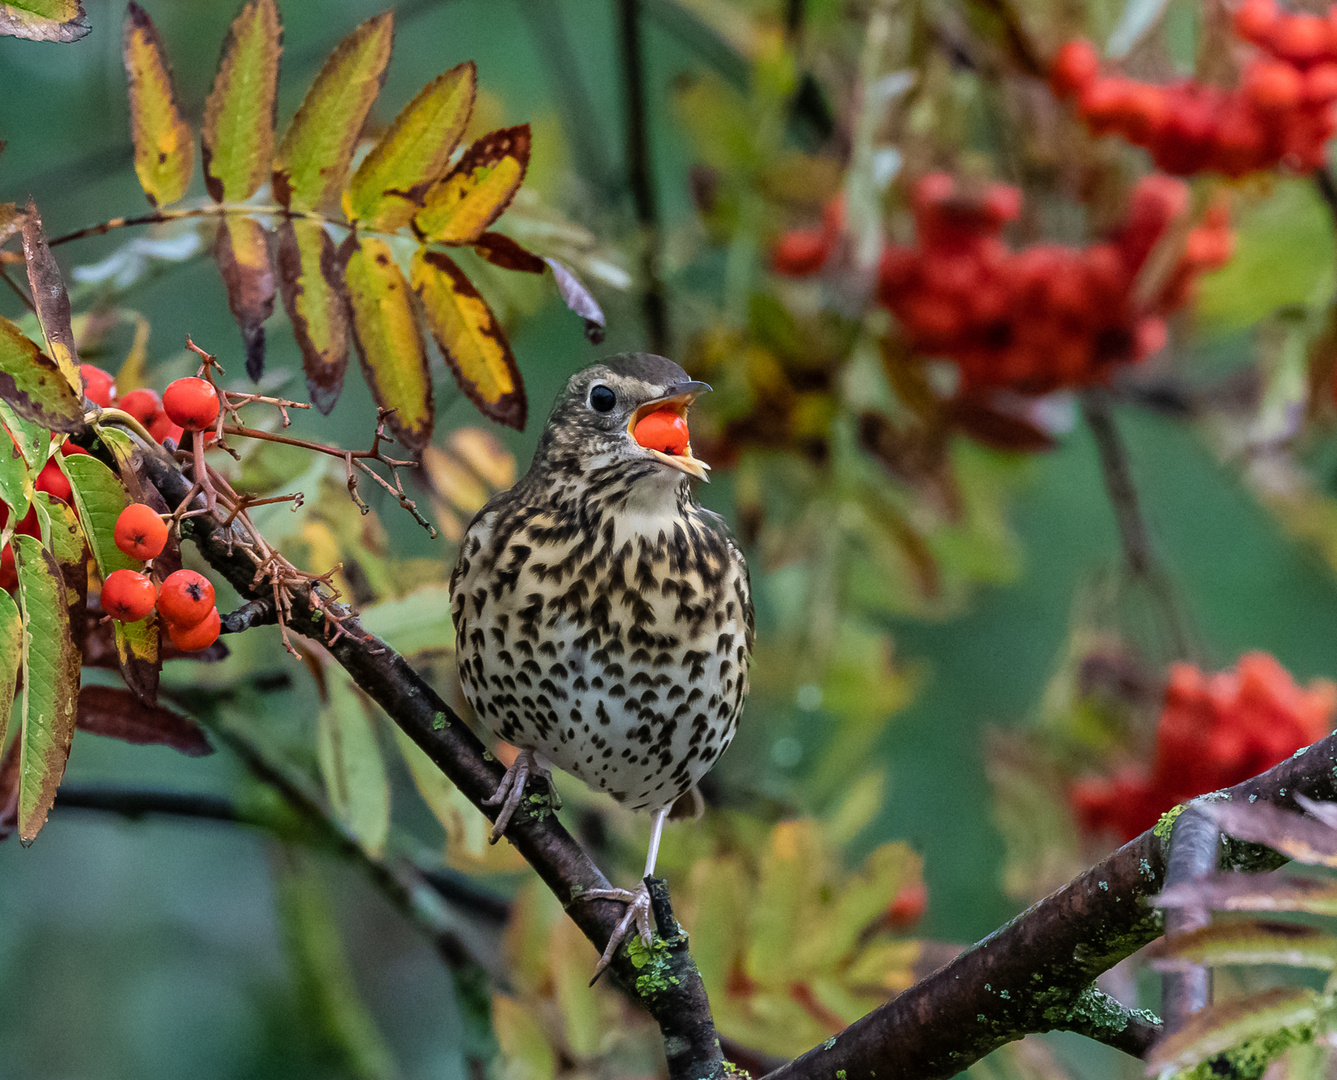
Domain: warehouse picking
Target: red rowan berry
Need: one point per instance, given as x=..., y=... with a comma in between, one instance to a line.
x=1075, y=67
x=127, y=596
x=186, y=598
x=1273, y=86
x=1255, y=19
x=9, y=576
x=1301, y=39
x=1320, y=84
x=908, y=908
x=99, y=386
x=197, y=637
x=53, y=481
x=663, y=430
x=192, y=403
x=800, y=252
x=140, y=531
x=142, y=404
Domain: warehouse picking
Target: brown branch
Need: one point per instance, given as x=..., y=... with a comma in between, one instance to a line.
x=667, y=982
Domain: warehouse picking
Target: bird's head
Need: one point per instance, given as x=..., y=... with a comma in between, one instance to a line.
x=626, y=415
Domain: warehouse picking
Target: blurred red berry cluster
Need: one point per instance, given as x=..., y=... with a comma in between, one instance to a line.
x=1215, y=730
x=1282, y=113
x=1043, y=317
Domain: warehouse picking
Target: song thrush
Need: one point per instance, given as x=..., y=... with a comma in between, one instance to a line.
x=603, y=618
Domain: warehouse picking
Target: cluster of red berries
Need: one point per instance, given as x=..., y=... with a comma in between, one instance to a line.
x=1043, y=317
x=186, y=405
x=185, y=600
x=1215, y=731
x=1282, y=113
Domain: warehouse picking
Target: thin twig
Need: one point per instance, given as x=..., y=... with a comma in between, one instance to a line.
x=640, y=172
x=27, y=300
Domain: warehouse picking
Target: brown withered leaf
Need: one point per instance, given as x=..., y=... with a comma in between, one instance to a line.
x=50, y=298
x=578, y=298
x=311, y=282
x=500, y=250
x=164, y=145
x=242, y=250
x=982, y=420
x=9, y=791
x=470, y=338
x=44, y=20
x=115, y=712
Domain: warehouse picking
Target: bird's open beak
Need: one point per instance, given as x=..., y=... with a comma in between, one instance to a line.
x=679, y=399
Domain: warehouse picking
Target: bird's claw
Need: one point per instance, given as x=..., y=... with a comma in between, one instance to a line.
x=636, y=916
x=511, y=791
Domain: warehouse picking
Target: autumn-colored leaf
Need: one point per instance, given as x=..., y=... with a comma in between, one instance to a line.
x=116, y=713
x=980, y=418
x=9, y=790
x=470, y=338
x=44, y=20
x=11, y=653
x=242, y=250
x=414, y=151
x=16, y=483
x=11, y=218
x=50, y=299
x=164, y=146
x=99, y=498
x=1297, y=836
x=579, y=299
x=1217, y=1028
x=34, y=385
x=459, y=208
x=390, y=342
x=237, y=135
x=65, y=540
x=31, y=439
x=500, y=250
x=314, y=154
x=311, y=282
x=50, y=684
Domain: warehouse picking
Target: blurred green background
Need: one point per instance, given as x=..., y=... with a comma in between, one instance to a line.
x=153, y=949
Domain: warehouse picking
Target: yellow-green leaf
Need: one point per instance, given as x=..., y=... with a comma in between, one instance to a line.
x=390, y=342
x=242, y=251
x=34, y=385
x=50, y=299
x=386, y=189
x=44, y=20
x=237, y=136
x=11, y=654
x=99, y=498
x=16, y=484
x=313, y=157
x=1217, y=1028
x=470, y=338
x=50, y=683
x=164, y=145
x=352, y=767
x=32, y=439
x=312, y=284
x=463, y=204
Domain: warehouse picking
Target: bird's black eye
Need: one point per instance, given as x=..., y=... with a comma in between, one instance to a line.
x=602, y=399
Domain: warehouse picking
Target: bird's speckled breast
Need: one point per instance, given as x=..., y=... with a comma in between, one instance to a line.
x=614, y=644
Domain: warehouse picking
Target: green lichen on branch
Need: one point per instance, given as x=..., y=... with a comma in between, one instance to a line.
x=1093, y=1012
x=653, y=964
x=1161, y=830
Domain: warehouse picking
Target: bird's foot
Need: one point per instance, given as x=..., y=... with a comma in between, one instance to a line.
x=511, y=791
x=636, y=918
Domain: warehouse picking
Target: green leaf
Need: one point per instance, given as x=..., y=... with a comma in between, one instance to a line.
x=11, y=656
x=413, y=152
x=51, y=299
x=16, y=482
x=34, y=385
x=50, y=684
x=413, y=623
x=1255, y=941
x=314, y=155
x=242, y=250
x=470, y=338
x=390, y=342
x=99, y=498
x=237, y=135
x=44, y=20
x=352, y=767
x=1263, y=1018
x=463, y=204
x=32, y=439
x=164, y=145
x=311, y=281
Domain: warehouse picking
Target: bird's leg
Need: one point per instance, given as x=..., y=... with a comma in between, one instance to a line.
x=637, y=915
x=511, y=791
